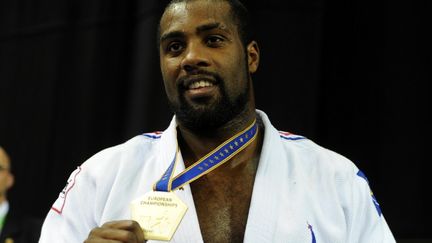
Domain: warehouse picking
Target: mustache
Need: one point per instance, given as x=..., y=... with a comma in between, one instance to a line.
x=185, y=81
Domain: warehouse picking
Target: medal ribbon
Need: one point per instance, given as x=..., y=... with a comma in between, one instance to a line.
x=209, y=162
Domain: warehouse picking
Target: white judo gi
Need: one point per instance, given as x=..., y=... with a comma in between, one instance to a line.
x=302, y=193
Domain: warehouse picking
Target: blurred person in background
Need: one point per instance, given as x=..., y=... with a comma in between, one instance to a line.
x=14, y=227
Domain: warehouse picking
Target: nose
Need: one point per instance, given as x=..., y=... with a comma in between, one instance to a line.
x=195, y=58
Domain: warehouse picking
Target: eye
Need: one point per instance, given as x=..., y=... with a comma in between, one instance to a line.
x=214, y=40
x=175, y=47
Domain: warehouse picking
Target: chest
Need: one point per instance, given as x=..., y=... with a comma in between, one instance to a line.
x=222, y=204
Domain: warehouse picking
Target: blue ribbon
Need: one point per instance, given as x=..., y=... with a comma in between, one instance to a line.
x=164, y=183
x=206, y=164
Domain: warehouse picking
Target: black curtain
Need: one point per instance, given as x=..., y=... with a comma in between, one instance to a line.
x=79, y=76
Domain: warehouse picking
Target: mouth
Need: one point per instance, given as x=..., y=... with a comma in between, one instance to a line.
x=197, y=82
x=199, y=87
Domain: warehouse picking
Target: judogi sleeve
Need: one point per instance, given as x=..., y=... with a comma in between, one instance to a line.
x=73, y=213
x=365, y=220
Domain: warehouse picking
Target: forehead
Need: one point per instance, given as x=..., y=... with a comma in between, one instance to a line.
x=186, y=16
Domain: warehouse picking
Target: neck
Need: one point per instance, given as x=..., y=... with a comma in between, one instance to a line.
x=195, y=145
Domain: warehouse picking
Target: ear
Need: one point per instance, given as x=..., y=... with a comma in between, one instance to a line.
x=253, y=56
x=10, y=181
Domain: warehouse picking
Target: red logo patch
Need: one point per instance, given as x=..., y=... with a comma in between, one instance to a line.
x=61, y=200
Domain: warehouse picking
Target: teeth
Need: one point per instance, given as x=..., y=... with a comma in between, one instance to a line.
x=200, y=84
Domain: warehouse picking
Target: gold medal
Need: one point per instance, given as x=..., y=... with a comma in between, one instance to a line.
x=159, y=214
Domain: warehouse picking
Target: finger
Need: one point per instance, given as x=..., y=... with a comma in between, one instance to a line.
x=128, y=225
x=99, y=235
x=101, y=241
x=116, y=235
x=120, y=224
x=136, y=228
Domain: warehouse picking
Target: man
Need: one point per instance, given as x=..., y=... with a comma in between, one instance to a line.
x=13, y=226
x=244, y=180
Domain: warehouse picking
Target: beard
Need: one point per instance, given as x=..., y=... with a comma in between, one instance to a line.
x=207, y=117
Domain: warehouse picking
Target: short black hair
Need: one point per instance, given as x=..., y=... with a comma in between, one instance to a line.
x=239, y=14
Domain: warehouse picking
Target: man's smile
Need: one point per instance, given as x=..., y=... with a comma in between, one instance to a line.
x=199, y=86
x=201, y=89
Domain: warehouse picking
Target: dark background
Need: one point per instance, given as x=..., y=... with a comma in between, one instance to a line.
x=80, y=76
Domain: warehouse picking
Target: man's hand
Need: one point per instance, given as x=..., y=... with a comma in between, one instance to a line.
x=117, y=231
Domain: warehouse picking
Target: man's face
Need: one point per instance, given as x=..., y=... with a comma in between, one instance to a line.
x=6, y=178
x=204, y=64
